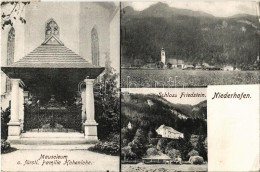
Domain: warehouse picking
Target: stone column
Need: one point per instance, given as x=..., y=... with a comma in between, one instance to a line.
x=83, y=98
x=21, y=108
x=14, y=124
x=90, y=124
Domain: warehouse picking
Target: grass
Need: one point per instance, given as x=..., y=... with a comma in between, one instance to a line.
x=153, y=78
x=162, y=167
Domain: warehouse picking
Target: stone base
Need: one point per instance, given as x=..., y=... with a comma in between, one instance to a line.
x=14, y=130
x=90, y=128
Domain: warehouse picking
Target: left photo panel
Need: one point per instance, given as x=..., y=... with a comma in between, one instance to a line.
x=60, y=94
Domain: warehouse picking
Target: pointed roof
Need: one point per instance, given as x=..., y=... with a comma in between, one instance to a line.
x=52, y=54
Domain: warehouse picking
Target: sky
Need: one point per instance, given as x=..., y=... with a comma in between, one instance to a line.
x=216, y=8
x=178, y=91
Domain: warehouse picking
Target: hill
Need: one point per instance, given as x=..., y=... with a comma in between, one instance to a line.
x=151, y=111
x=192, y=36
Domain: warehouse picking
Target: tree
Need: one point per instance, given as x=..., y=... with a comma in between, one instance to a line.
x=193, y=153
x=107, y=102
x=127, y=152
x=169, y=65
x=139, y=143
x=161, y=145
x=201, y=148
x=159, y=64
x=173, y=153
x=12, y=10
x=152, y=152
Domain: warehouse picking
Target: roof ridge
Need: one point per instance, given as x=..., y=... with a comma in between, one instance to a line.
x=52, y=36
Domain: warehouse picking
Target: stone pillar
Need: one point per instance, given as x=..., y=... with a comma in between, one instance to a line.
x=90, y=124
x=83, y=98
x=21, y=108
x=14, y=130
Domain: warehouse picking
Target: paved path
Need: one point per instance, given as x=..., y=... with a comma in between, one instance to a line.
x=58, y=158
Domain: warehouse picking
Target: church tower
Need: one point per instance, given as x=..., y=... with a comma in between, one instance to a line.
x=163, y=58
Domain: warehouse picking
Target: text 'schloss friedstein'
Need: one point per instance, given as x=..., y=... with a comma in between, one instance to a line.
x=181, y=95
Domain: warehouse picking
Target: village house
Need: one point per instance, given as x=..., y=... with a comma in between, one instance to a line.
x=49, y=66
x=169, y=132
x=228, y=68
x=129, y=125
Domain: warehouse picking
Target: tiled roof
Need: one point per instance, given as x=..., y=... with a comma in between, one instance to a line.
x=52, y=56
x=162, y=156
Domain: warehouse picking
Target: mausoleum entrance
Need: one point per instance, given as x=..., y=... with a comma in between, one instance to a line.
x=45, y=95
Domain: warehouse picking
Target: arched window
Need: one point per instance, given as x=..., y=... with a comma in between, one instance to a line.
x=94, y=47
x=10, y=54
x=51, y=29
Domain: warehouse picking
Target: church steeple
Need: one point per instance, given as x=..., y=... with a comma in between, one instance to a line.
x=163, y=57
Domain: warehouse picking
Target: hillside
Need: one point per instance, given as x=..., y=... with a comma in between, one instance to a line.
x=192, y=36
x=151, y=111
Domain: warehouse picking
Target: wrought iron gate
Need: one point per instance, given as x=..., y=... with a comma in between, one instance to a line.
x=52, y=117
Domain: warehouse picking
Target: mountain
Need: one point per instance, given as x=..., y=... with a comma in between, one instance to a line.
x=151, y=111
x=191, y=36
x=164, y=10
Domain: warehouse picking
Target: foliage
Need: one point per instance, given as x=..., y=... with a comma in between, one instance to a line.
x=106, y=147
x=12, y=11
x=161, y=145
x=138, y=144
x=193, y=153
x=153, y=141
x=196, y=160
x=127, y=135
x=5, y=146
x=127, y=153
x=152, y=152
x=201, y=147
x=5, y=118
x=107, y=103
x=173, y=153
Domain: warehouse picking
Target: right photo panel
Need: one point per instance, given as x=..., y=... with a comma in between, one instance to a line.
x=170, y=53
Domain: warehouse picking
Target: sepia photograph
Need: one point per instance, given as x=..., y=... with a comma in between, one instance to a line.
x=189, y=44
x=60, y=64
x=164, y=129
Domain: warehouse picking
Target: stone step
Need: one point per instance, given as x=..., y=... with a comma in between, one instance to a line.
x=52, y=135
x=51, y=141
x=49, y=138
x=52, y=147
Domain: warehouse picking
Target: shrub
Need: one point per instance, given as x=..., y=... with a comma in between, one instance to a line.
x=110, y=148
x=127, y=153
x=173, y=153
x=153, y=141
x=193, y=153
x=196, y=160
x=4, y=120
x=152, y=152
x=5, y=145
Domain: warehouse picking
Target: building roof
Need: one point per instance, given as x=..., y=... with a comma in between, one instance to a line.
x=52, y=55
x=169, y=128
x=162, y=156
